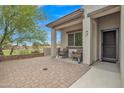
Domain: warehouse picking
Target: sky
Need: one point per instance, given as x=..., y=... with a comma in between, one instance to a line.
x=54, y=12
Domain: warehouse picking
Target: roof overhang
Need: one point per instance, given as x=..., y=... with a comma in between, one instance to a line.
x=104, y=11
x=67, y=20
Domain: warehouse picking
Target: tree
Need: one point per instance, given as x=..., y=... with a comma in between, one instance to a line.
x=18, y=20
x=36, y=37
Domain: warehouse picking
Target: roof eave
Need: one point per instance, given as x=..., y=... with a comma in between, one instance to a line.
x=51, y=25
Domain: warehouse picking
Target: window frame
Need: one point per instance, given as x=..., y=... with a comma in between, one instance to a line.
x=74, y=38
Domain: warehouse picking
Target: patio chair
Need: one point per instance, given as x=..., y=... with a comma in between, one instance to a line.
x=63, y=52
x=77, y=55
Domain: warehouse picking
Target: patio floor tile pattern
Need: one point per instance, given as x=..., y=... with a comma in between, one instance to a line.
x=29, y=73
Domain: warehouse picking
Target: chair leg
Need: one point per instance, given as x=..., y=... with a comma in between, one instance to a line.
x=78, y=59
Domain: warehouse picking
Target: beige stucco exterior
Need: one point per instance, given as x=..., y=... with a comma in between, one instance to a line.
x=92, y=41
x=88, y=55
x=86, y=39
x=67, y=24
x=95, y=19
x=92, y=27
x=122, y=44
x=64, y=36
x=91, y=8
x=111, y=21
x=53, y=43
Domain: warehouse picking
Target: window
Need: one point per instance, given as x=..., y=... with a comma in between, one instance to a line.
x=75, y=39
x=71, y=39
x=78, y=39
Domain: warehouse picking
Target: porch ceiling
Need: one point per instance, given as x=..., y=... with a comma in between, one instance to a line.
x=73, y=28
x=104, y=11
x=68, y=24
x=67, y=21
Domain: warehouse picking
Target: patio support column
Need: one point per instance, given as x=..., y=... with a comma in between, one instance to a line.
x=122, y=43
x=94, y=41
x=61, y=40
x=87, y=33
x=53, y=43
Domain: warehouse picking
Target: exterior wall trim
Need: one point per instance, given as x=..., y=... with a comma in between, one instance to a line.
x=102, y=10
x=77, y=30
x=76, y=14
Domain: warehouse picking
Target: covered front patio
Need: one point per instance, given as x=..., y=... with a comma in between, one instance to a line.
x=70, y=27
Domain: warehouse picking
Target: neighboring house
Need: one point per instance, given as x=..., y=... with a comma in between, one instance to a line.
x=100, y=30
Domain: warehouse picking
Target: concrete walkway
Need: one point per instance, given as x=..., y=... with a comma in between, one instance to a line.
x=101, y=75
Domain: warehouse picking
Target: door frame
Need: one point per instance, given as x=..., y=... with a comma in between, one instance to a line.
x=117, y=44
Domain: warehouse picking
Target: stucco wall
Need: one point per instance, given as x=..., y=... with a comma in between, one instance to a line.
x=86, y=39
x=64, y=38
x=91, y=8
x=64, y=35
x=94, y=41
x=90, y=34
x=122, y=44
x=111, y=21
x=88, y=46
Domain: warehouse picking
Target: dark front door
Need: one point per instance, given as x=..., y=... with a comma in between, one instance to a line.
x=109, y=46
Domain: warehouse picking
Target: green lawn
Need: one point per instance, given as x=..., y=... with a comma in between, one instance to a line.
x=20, y=52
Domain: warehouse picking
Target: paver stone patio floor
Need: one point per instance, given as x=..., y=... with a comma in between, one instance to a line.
x=27, y=73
